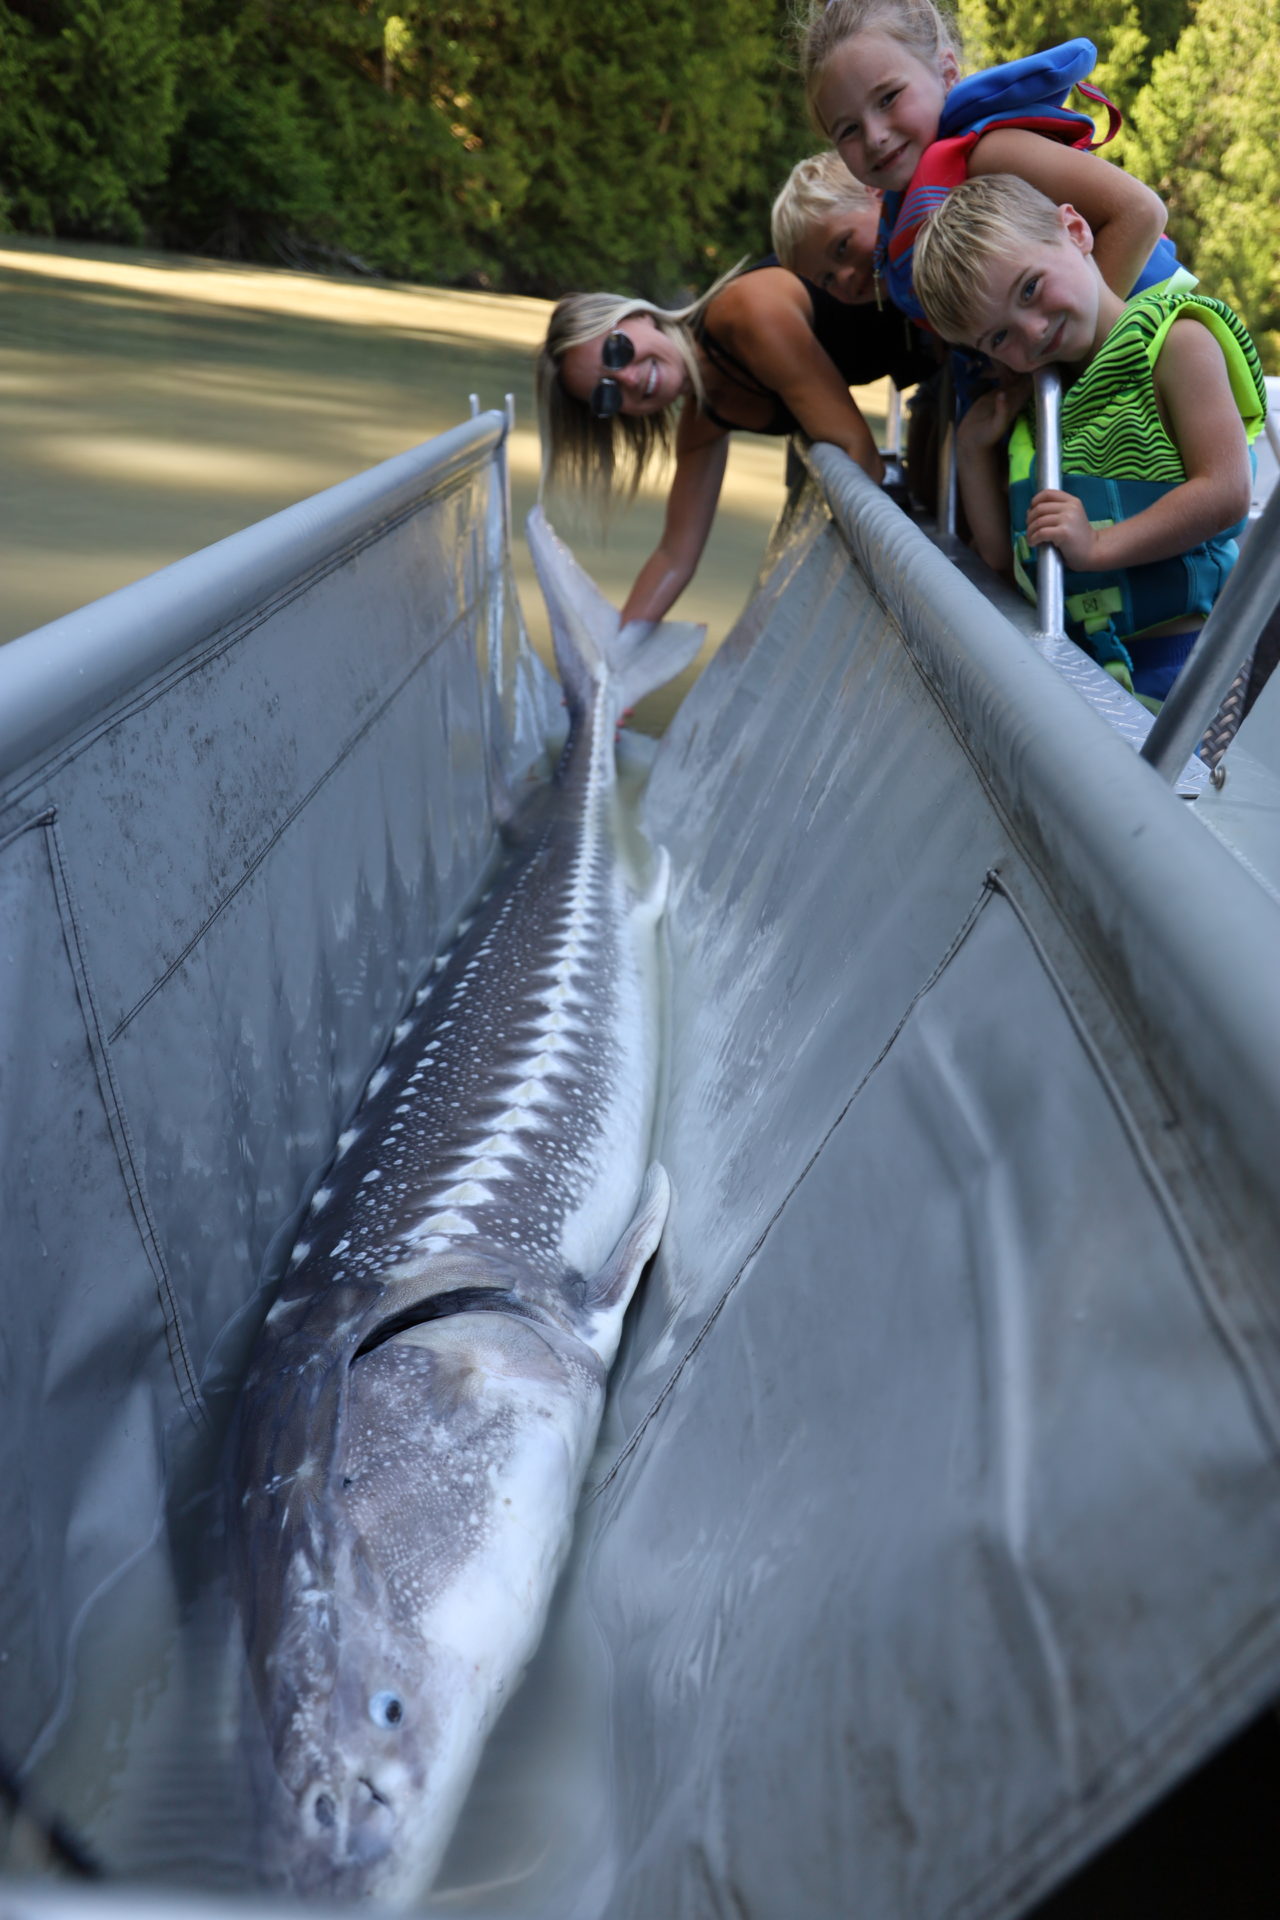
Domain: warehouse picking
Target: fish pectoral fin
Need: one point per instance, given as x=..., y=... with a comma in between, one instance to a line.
x=615, y=1283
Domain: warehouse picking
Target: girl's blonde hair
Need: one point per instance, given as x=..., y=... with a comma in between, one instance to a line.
x=816, y=188
x=924, y=29
x=598, y=455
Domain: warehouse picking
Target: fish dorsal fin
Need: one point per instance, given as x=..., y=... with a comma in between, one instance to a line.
x=590, y=642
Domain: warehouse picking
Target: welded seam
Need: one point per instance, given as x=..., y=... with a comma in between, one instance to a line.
x=117, y=1122
x=44, y=819
x=957, y=941
x=1236, y=1347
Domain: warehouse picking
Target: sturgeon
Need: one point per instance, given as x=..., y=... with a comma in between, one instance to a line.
x=424, y=1395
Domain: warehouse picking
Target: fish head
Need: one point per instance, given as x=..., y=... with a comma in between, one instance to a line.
x=387, y=1596
x=354, y=1785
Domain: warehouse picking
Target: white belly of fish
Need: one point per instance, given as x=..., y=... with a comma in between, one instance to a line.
x=613, y=1160
x=469, y=1441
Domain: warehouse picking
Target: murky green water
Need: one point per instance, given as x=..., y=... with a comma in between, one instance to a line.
x=150, y=407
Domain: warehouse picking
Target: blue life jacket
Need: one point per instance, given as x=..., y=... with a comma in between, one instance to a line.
x=1028, y=94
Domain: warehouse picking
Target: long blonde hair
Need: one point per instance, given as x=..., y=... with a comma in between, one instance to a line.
x=600, y=455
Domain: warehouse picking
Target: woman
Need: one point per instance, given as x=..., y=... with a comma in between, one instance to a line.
x=763, y=351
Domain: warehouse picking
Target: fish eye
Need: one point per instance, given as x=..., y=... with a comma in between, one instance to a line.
x=386, y=1709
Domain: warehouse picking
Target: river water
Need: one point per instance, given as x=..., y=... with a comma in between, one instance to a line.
x=155, y=403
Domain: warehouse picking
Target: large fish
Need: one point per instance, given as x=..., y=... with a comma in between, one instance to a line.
x=425, y=1393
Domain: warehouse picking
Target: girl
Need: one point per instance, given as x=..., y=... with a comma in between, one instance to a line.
x=762, y=350
x=883, y=80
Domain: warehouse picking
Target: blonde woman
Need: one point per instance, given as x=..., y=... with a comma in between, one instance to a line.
x=621, y=381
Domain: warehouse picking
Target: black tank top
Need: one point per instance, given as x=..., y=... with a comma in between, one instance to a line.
x=866, y=343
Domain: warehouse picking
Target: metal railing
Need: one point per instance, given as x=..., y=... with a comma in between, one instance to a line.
x=1226, y=640
x=1228, y=636
x=1049, y=570
x=948, y=480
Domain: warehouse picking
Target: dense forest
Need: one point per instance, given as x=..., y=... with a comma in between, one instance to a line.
x=532, y=145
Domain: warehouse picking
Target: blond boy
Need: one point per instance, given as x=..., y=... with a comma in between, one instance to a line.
x=824, y=225
x=1164, y=392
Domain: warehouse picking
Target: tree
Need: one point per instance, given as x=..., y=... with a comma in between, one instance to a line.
x=320, y=129
x=1204, y=136
x=996, y=30
x=636, y=126
x=533, y=144
x=246, y=165
x=86, y=112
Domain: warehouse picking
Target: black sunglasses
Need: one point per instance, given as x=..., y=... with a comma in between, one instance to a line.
x=618, y=351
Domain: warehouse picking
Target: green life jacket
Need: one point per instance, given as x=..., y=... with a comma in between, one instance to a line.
x=1117, y=459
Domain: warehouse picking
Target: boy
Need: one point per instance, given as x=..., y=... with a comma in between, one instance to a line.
x=824, y=225
x=1165, y=393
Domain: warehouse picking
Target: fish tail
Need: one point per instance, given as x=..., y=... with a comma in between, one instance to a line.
x=592, y=647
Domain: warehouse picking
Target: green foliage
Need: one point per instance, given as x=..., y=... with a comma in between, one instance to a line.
x=786, y=135
x=541, y=144
x=666, y=104
x=1129, y=34
x=1204, y=136
x=87, y=107
x=245, y=164
x=1162, y=21
x=514, y=141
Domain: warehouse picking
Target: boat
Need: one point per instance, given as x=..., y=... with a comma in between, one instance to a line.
x=932, y=1534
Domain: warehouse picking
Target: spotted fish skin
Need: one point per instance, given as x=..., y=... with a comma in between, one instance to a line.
x=424, y=1395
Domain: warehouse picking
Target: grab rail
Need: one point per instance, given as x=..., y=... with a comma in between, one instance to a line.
x=1227, y=638
x=948, y=479
x=1049, y=572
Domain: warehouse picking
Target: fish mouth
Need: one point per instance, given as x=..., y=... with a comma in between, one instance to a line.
x=341, y=1838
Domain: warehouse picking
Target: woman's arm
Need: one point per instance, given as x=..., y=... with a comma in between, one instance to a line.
x=766, y=320
x=702, y=449
x=1127, y=218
